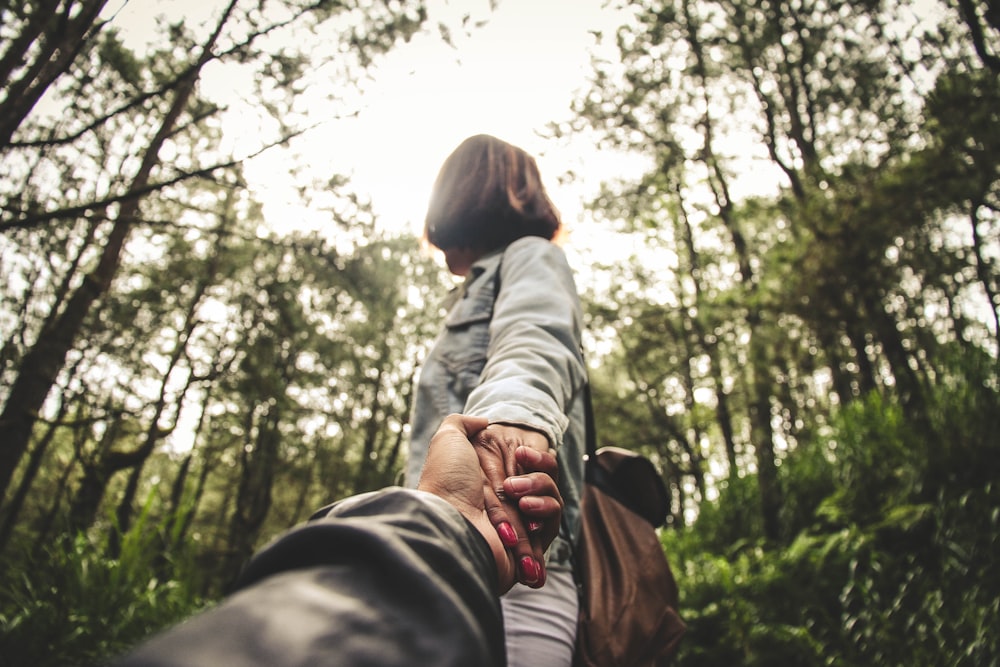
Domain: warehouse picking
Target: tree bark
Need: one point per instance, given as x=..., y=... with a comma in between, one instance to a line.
x=760, y=381
x=12, y=508
x=253, y=497
x=45, y=48
x=723, y=414
x=984, y=273
x=96, y=475
x=42, y=363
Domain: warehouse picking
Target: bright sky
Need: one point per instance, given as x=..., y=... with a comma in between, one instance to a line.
x=510, y=78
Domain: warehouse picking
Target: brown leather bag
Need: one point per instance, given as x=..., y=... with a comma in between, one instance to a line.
x=628, y=601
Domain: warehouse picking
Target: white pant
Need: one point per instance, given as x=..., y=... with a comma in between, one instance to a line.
x=540, y=623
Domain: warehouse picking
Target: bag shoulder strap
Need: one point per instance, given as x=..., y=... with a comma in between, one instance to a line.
x=591, y=433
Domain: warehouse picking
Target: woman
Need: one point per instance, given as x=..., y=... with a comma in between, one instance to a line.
x=510, y=351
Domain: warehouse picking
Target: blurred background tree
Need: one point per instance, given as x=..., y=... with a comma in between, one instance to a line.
x=806, y=335
x=179, y=383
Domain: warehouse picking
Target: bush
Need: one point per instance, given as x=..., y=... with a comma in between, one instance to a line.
x=892, y=559
x=74, y=605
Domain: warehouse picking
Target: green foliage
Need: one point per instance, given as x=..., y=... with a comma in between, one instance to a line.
x=732, y=521
x=72, y=604
x=833, y=328
x=893, y=565
x=808, y=478
x=879, y=458
x=861, y=275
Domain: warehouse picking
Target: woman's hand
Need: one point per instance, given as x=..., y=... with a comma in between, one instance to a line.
x=453, y=472
x=527, y=536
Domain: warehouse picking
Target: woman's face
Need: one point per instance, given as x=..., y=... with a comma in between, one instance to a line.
x=460, y=260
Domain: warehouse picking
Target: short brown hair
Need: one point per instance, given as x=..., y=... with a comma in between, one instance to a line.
x=487, y=194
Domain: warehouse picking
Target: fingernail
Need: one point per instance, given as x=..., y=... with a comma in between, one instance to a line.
x=519, y=484
x=507, y=534
x=533, y=455
x=534, y=526
x=529, y=503
x=529, y=570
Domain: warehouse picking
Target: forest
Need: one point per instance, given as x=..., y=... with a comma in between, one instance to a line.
x=812, y=364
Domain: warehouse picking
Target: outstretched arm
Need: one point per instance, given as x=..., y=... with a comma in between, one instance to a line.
x=393, y=577
x=533, y=372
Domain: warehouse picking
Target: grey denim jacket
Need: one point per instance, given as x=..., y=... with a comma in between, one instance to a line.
x=513, y=357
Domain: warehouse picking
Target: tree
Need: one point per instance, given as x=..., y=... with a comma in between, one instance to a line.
x=826, y=275
x=161, y=108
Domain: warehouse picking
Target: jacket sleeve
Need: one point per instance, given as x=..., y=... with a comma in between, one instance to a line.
x=534, y=366
x=394, y=577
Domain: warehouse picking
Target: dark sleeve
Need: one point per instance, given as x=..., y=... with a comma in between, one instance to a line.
x=394, y=577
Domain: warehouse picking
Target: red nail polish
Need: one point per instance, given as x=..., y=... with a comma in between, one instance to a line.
x=534, y=526
x=529, y=570
x=507, y=534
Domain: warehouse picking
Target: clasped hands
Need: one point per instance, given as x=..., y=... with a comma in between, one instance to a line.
x=503, y=480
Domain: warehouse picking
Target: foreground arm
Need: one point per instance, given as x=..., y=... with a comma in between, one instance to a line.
x=394, y=577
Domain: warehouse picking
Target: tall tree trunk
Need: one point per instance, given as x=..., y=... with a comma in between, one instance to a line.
x=883, y=327
x=723, y=415
x=253, y=497
x=43, y=361
x=675, y=485
x=154, y=433
x=979, y=31
x=829, y=342
x=762, y=435
x=96, y=475
x=373, y=428
x=53, y=35
x=13, y=345
x=392, y=457
x=123, y=513
x=12, y=509
x=987, y=277
x=666, y=425
x=176, y=516
x=44, y=527
x=760, y=382
x=182, y=512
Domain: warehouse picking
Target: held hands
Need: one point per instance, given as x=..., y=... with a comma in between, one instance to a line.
x=453, y=471
x=504, y=451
